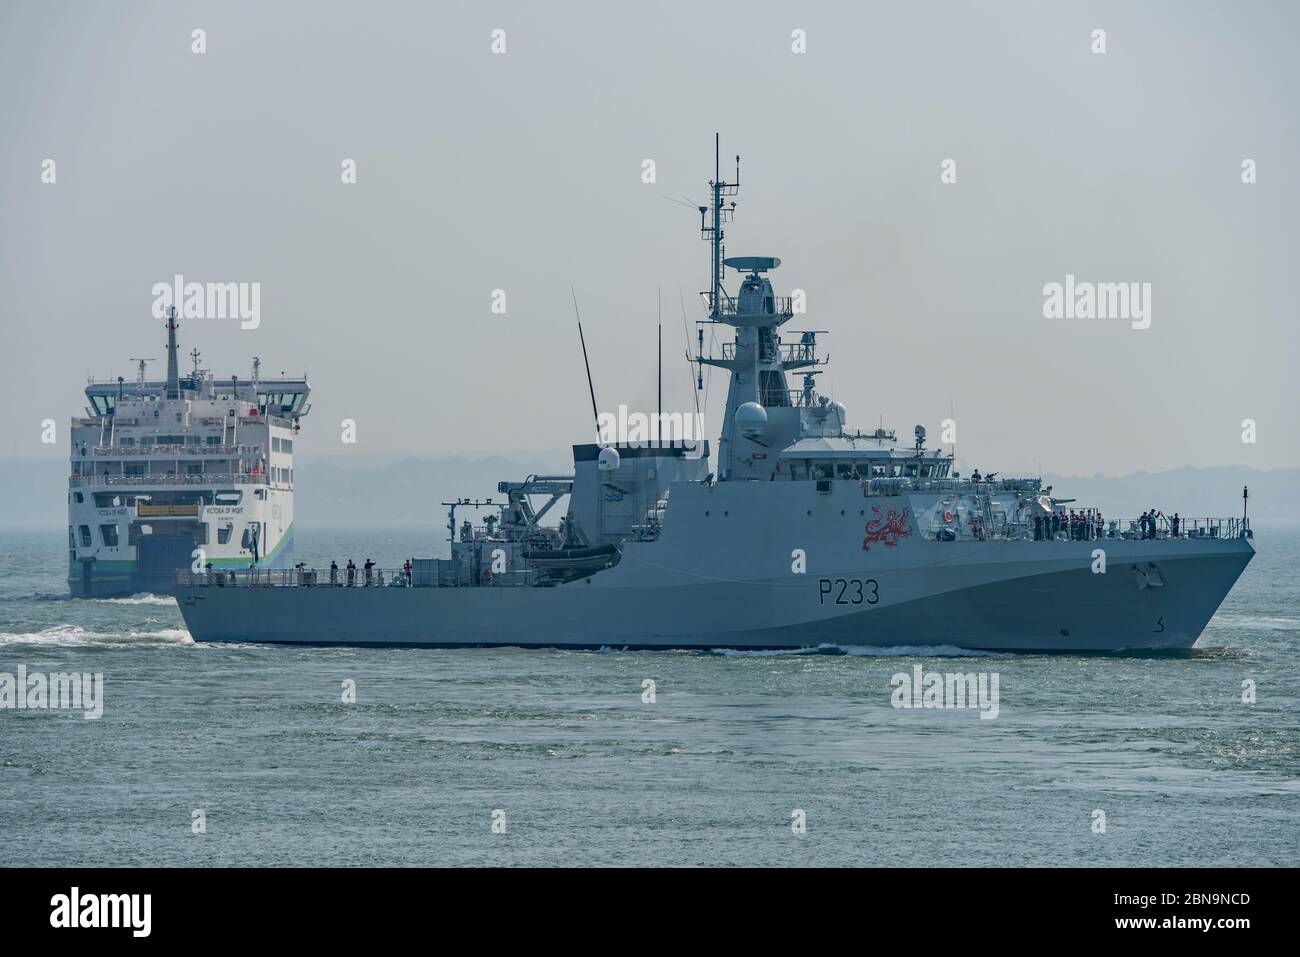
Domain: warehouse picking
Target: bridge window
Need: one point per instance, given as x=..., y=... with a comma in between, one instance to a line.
x=223, y=533
x=84, y=531
x=109, y=534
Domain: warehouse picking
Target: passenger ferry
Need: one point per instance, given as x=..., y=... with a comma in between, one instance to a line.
x=188, y=473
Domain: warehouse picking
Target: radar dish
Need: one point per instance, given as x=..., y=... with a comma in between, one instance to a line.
x=752, y=263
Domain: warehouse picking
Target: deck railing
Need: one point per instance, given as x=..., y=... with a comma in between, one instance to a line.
x=165, y=451
x=991, y=527
x=379, y=577
x=201, y=478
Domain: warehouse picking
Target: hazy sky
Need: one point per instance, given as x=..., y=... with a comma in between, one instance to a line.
x=522, y=171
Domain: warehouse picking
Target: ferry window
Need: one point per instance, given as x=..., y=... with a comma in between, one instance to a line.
x=821, y=472
x=925, y=471
x=109, y=534
x=877, y=471
x=911, y=470
x=286, y=445
x=275, y=443
x=223, y=533
x=798, y=473
x=192, y=469
x=72, y=541
x=84, y=531
x=78, y=497
x=844, y=470
x=133, y=468
x=126, y=440
x=213, y=440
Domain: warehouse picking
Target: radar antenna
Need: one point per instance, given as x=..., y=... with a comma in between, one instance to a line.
x=139, y=378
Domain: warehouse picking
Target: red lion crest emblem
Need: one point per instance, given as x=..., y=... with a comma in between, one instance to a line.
x=887, y=529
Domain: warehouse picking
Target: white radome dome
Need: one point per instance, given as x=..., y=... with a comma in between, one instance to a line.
x=608, y=460
x=751, y=419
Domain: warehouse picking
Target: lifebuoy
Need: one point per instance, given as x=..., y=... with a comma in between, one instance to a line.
x=947, y=515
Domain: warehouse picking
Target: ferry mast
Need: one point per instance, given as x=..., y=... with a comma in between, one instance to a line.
x=173, y=386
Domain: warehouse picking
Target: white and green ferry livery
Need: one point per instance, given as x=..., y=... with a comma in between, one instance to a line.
x=803, y=533
x=180, y=474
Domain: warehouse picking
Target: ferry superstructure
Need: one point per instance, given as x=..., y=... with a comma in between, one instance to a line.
x=185, y=473
x=804, y=534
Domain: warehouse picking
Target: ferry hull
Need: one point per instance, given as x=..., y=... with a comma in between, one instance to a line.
x=114, y=579
x=1036, y=597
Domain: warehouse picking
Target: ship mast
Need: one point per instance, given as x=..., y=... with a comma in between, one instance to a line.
x=721, y=214
x=173, y=388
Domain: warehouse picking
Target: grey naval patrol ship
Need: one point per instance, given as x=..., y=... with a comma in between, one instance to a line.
x=188, y=472
x=805, y=534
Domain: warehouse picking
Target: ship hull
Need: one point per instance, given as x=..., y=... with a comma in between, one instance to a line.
x=1010, y=596
x=118, y=578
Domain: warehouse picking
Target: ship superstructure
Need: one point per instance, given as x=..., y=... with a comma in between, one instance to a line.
x=805, y=533
x=180, y=474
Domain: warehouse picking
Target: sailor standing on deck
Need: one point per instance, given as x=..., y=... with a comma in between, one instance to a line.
x=370, y=572
x=407, y=568
x=352, y=573
x=334, y=573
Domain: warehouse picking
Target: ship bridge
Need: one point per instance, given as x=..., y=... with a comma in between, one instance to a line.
x=278, y=397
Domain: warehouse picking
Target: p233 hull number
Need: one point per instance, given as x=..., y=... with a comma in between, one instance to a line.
x=848, y=591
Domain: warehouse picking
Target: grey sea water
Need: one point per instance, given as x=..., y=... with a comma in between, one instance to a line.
x=285, y=773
